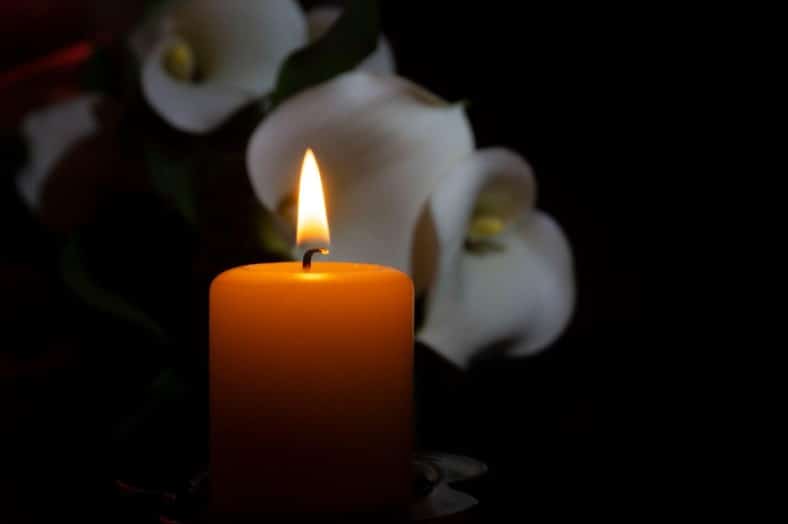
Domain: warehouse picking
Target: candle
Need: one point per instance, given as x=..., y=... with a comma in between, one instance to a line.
x=311, y=380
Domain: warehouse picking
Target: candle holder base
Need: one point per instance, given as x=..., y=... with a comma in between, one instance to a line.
x=435, y=478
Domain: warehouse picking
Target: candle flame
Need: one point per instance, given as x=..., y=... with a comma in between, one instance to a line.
x=312, y=221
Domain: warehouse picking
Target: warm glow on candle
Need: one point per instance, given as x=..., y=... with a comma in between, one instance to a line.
x=312, y=221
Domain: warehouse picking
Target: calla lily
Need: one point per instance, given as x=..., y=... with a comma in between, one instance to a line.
x=51, y=133
x=504, y=275
x=397, y=162
x=203, y=60
x=382, y=144
x=320, y=20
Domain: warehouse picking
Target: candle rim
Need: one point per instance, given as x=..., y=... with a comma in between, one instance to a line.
x=320, y=271
x=317, y=265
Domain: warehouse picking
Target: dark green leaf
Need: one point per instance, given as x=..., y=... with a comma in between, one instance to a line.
x=163, y=397
x=79, y=281
x=101, y=73
x=420, y=310
x=13, y=153
x=168, y=385
x=153, y=7
x=351, y=39
x=273, y=240
x=172, y=179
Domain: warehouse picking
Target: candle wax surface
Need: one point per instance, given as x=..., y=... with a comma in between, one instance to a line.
x=311, y=387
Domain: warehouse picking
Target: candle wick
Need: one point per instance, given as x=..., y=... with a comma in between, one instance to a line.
x=306, y=262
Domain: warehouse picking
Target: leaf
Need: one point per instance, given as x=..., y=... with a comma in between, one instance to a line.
x=98, y=72
x=272, y=239
x=172, y=179
x=164, y=396
x=83, y=286
x=168, y=385
x=110, y=70
x=153, y=7
x=13, y=154
x=420, y=310
x=351, y=39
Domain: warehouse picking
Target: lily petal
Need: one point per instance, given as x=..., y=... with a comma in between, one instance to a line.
x=188, y=107
x=239, y=47
x=50, y=133
x=382, y=144
x=520, y=295
x=380, y=61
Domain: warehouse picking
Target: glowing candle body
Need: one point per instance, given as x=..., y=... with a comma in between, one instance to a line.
x=311, y=388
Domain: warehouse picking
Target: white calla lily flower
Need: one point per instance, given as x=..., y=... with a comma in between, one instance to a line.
x=382, y=144
x=380, y=61
x=203, y=60
x=515, y=288
x=50, y=133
